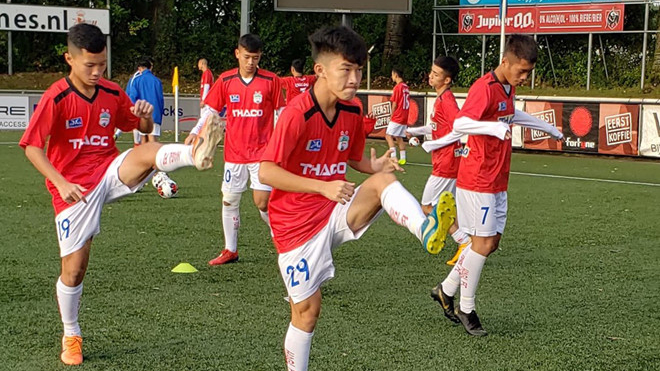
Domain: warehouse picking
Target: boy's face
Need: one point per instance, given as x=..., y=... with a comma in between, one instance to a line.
x=247, y=61
x=516, y=70
x=438, y=77
x=343, y=77
x=87, y=67
x=393, y=76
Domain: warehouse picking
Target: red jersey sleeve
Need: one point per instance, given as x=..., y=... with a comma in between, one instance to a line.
x=396, y=95
x=126, y=120
x=41, y=123
x=357, y=149
x=277, y=97
x=477, y=102
x=287, y=133
x=216, y=97
x=450, y=110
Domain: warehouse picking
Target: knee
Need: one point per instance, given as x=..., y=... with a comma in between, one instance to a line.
x=72, y=277
x=262, y=205
x=305, y=320
x=232, y=200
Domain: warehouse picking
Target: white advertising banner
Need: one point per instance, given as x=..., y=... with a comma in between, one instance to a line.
x=649, y=131
x=14, y=112
x=37, y=18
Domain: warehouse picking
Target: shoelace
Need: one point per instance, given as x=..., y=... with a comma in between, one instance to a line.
x=73, y=344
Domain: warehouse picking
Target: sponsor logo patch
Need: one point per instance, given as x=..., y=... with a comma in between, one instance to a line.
x=314, y=145
x=74, y=123
x=234, y=98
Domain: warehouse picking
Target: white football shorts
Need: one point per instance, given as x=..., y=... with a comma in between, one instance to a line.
x=396, y=130
x=305, y=268
x=236, y=176
x=481, y=214
x=82, y=221
x=435, y=185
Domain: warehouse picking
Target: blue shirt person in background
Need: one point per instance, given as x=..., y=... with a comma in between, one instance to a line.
x=144, y=85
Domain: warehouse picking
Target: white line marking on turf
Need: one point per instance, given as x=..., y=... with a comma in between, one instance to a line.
x=569, y=177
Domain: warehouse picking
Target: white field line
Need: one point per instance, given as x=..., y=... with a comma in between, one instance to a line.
x=569, y=177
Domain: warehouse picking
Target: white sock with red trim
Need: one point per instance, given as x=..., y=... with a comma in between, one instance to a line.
x=472, y=265
x=231, y=221
x=403, y=208
x=453, y=280
x=174, y=156
x=297, y=344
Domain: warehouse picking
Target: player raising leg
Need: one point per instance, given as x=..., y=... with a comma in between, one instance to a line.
x=84, y=170
x=313, y=207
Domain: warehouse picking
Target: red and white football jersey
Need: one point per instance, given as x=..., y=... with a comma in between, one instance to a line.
x=297, y=85
x=250, y=112
x=306, y=144
x=79, y=131
x=207, y=79
x=486, y=159
x=400, y=96
x=445, y=160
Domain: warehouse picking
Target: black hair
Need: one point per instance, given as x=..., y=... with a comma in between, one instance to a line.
x=523, y=47
x=86, y=36
x=449, y=65
x=145, y=62
x=250, y=42
x=398, y=71
x=298, y=65
x=339, y=40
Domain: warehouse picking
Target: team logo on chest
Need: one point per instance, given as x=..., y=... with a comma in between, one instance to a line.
x=257, y=97
x=343, y=141
x=104, y=117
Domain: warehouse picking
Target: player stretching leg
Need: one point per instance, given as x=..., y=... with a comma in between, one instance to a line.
x=251, y=96
x=445, y=159
x=483, y=177
x=312, y=207
x=77, y=116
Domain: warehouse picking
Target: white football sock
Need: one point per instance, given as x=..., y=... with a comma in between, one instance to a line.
x=68, y=299
x=402, y=154
x=264, y=217
x=393, y=154
x=460, y=237
x=297, y=344
x=231, y=220
x=472, y=265
x=174, y=156
x=453, y=280
x=403, y=208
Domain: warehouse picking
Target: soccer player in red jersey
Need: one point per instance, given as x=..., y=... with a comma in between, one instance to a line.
x=445, y=159
x=298, y=83
x=251, y=96
x=207, y=80
x=483, y=176
x=396, y=129
x=77, y=117
x=313, y=207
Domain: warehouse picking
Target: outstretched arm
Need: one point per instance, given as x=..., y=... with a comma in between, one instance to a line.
x=526, y=120
x=432, y=145
x=466, y=125
x=420, y=130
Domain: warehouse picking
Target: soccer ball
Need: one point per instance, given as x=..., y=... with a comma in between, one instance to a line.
x=414, y=141
x=158, y=178
x=167, y=188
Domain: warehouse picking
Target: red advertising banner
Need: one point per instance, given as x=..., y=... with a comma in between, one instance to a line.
x=381, y=108
x=618, y=129
x=544, y=19
x=550, y=112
